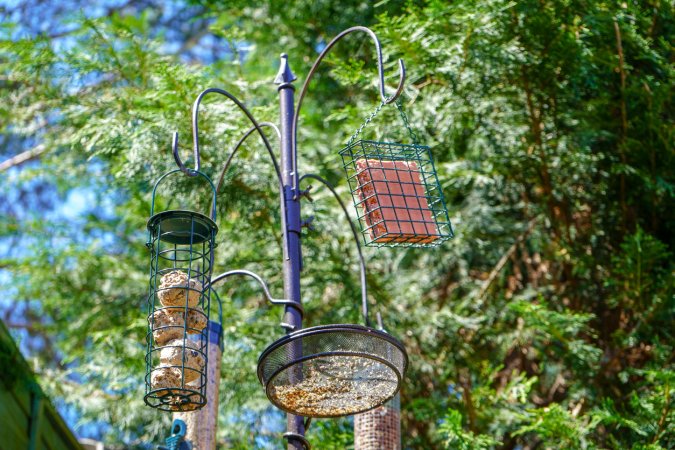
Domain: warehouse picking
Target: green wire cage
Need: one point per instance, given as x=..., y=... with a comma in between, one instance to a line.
x=181, y=244
x=396, y=192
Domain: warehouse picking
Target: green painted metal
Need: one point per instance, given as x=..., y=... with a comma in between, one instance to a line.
x=177, y=439
x=35, y=416
x=181, y=242
x=395, y=188
x=28, y=420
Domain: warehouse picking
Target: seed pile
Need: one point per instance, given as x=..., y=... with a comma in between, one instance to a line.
x=335, y=386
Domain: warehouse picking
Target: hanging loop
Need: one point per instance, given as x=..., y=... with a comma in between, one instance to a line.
x=364, y=124
x=196, y=173
x=404, y=117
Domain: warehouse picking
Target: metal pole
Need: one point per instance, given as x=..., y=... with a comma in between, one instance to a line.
x=292, y=260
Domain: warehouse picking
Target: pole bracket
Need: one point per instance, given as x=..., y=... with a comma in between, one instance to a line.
x=306, y=193
x=287, y=326
x=275, y=301
x=308, y=223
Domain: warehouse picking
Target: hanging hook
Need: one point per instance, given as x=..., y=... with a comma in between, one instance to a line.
x=179, y=162
x=380, y=69
x=263, y=285
x=195, y=131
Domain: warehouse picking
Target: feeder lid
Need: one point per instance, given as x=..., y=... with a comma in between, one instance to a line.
x=182, y=227
x=332, y=370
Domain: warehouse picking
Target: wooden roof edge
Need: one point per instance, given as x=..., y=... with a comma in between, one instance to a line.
x=25, y=373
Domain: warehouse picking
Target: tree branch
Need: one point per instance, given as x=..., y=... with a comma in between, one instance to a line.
x=624, y=121
x=23, y=157
x=504, y=259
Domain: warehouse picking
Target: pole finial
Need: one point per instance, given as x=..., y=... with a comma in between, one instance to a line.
x=285, y=75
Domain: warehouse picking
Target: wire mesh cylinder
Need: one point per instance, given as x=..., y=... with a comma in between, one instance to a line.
x=379, y=428
x=181, y=247
x=397, y=194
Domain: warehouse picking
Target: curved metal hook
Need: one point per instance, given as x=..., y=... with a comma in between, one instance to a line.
x=380, y=67
x=289, y=436
x=236, y=148
x=220, y=307
x=258, y=278
x=179, y=162
x=195, y=130
x=386, y=100
x=355, y=233
x=238, y=145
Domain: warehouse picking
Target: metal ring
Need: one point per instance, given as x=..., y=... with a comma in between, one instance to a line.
x=399, y=379
x=289, y=436
x=351, y=328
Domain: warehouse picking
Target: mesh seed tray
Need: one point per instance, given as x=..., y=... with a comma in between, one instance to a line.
x=332, y=370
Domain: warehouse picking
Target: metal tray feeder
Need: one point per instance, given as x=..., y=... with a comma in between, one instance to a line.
x=332, y=370
x=396, y=192
x=181, y=245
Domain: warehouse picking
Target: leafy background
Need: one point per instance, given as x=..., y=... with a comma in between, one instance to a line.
x=546, y=323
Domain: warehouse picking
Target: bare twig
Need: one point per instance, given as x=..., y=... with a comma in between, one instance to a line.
x=504, y=259
x=664, y=414
x=624, y=119
x=465, y=382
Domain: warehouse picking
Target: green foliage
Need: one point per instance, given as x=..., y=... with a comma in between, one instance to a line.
x=556, y=427
x=454, y=435
x=648, y=416
x=333, y=434
x=545, y=323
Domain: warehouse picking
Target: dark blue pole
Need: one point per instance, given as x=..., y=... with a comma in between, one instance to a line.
x=292, y=257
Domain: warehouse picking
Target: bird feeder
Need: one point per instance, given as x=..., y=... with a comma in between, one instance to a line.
x=396, y=192
x=332, y=370
x=181, y=244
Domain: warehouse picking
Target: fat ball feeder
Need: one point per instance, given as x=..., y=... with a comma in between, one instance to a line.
x=181, y=244
x=322, y=371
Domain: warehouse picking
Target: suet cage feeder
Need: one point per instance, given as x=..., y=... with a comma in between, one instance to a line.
x=181, y=244
x=332, y=370
x=396, y=192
